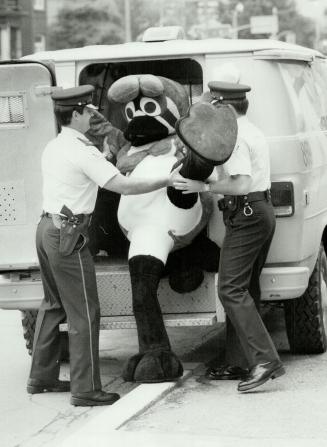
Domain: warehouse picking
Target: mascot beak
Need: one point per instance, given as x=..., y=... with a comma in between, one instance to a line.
x=145, y=129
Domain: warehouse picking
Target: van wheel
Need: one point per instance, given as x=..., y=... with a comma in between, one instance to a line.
x=306, y=317
x=28, y=323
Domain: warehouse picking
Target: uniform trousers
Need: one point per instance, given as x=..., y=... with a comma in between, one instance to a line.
x=243, y=255
x=70, y=291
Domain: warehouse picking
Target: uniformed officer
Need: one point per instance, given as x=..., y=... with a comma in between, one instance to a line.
x=244, y=180
x=72, y=171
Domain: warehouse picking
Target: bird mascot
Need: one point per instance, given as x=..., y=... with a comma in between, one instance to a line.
x=148, y=109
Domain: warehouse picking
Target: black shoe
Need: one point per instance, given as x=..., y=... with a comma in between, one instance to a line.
x=37, y=386
x=226, y=372
x=93, y=399
x=260, y=373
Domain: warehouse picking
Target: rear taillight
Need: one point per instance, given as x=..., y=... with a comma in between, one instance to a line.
x=282, y=197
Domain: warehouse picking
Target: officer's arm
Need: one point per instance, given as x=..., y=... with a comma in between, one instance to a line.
x=131, y=186
x=231, y=185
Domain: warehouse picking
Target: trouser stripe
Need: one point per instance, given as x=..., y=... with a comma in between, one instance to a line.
x=89, y=319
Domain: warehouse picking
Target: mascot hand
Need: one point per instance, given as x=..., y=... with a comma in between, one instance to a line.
x=161, y=147
x=107, y=151
x=126, y=163
x=101, y=129
x=181, y=149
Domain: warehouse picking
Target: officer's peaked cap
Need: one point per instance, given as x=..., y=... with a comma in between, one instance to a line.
x=228, y=90
x=76, y=96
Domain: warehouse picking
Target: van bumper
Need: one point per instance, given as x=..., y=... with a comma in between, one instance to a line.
x=282, y=283
x=18, y=293
x=277, y=283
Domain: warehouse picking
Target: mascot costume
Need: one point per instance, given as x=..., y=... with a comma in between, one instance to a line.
x=147, y=109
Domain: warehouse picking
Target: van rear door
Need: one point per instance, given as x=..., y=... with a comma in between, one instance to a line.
x=27, y=123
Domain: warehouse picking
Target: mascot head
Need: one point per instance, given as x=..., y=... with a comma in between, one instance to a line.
x=148, y=107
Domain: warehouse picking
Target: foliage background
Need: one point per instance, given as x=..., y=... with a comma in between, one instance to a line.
x=89, y=22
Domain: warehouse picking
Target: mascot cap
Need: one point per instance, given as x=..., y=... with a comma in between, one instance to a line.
x=76, y=96
x=228, y=90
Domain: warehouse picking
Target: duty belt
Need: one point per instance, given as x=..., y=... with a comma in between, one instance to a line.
x=234, y=203
x=78, y=218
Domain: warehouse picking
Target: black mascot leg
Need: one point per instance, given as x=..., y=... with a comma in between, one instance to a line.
x=155, y=361
x=195, y=168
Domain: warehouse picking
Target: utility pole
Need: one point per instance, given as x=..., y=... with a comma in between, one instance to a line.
x=128, y=32
x=239, y=8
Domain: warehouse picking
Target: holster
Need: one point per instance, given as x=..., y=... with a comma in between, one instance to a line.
x=73, y=229
x=229, y=203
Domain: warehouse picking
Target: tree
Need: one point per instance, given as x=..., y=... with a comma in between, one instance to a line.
x=84, y=23
x=288, y=17
x=145, y=13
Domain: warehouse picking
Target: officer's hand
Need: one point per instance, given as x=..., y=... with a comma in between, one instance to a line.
x=189, y=186
x=175, y=176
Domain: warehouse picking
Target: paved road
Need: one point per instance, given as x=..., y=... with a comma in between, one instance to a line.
x=289, y=411
x=33, y=421
x=41, y=420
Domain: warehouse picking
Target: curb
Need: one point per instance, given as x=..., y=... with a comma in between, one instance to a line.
x=128, y=407
x=148, y=439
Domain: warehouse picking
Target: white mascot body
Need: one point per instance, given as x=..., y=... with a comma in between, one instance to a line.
x=152, y=219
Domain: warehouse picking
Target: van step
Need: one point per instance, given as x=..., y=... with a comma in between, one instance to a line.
x=171, y=320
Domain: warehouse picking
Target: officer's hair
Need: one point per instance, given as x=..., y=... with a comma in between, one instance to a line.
x=240, y=105
x=64, y=114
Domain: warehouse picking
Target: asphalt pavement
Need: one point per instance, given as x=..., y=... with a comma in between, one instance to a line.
x=288, y=411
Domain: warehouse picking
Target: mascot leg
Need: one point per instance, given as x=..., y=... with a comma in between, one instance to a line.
x=155, y=361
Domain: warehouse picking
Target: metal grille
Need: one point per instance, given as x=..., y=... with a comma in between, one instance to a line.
x=12, y=109
x=115, y=295
x=12, y=208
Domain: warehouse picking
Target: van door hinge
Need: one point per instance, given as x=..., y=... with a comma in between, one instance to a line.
x=45, y=90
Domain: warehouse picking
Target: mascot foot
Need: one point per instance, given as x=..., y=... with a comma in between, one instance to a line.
x=153, y=367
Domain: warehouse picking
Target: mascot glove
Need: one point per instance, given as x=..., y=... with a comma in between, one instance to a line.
x=161, y=147
x=127, y=163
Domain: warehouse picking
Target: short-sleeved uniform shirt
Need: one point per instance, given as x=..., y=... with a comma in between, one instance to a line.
x=72, y=171
x=250, y=156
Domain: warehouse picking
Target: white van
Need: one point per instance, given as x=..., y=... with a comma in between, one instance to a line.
x=288, y=101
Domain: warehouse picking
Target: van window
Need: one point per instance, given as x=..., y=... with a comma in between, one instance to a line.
x=319, y=71
x=307, y=92
x=187, y=72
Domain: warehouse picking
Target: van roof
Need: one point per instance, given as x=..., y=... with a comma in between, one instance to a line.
x=171, y=48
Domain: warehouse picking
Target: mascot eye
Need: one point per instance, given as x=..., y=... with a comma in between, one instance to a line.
x=130, y=110
x=150, y=106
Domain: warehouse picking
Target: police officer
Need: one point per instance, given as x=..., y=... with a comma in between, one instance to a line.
x=72, y=171
x=244, y=181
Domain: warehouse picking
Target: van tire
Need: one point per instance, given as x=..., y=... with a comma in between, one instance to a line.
x=306, y=317
x=28, y=323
